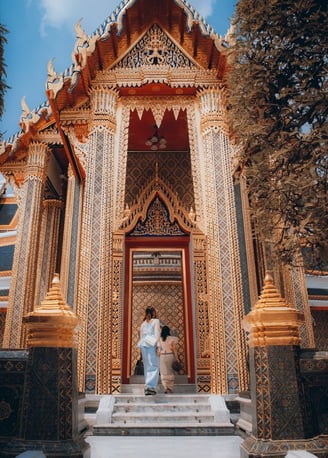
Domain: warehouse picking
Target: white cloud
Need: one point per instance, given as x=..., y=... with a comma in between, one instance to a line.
x=65, y=13
x=204, y=7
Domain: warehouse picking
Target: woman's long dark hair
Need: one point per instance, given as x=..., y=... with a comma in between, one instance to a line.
x=149, y=313
x=165, y=332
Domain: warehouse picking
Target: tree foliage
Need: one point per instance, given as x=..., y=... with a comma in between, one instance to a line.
x=278, y=113
x=3, y=74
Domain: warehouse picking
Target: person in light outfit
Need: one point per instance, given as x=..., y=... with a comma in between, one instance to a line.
x=149, y=345
x=168, y=354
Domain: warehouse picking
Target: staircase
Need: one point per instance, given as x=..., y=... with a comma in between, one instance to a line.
x=178, y=414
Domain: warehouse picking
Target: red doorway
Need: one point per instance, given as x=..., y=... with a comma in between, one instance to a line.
x=131, y=322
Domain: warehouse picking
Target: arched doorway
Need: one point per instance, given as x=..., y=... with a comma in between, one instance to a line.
x=158, y=265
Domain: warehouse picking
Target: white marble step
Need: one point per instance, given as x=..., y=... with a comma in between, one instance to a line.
x=159, y=407
x=161, y=398
x=167, y=418
x=162, y=414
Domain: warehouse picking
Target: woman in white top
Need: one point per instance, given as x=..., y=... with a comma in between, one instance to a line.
x=149, y=345
x=168, y=355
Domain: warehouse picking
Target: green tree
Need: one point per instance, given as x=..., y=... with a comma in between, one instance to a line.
x=3, y=74
x=278, y=113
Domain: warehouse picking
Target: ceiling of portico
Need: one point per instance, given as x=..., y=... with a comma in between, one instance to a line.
x=174, y=130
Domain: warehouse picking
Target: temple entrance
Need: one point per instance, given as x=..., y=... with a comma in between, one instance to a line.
x=158, y=274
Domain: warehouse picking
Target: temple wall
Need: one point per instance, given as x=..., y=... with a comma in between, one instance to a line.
x=320, y=326
x=173, y=167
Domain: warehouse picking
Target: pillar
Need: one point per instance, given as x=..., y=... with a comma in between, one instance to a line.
x=22, y=289
x=50, y=401
x=296, y=293
x=69, y=257
x=225, y=292
x=95, y=289
x=276, y=390
x=48, y=243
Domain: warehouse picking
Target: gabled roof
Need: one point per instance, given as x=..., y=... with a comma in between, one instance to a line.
x=116, y=35
x=108, y=45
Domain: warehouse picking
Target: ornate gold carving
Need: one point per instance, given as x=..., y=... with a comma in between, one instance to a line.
x=84, y=46
x=22, y=290
x=212, y=108
x=28, y=117
x=52, y=324
x=37, y=154
x=272, y=321
x=156, y=105
x=104, y=102
x=174, y=77
x=155, y=48
x=157, y=187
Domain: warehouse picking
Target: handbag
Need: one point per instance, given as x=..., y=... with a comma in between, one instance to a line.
x=139, y=369
x=150, y=340
x=177, y=366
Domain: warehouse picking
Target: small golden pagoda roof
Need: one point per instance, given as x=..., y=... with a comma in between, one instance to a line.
x=53, y=323
x=272, y=321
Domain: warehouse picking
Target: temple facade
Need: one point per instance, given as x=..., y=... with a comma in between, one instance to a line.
x=125, y=186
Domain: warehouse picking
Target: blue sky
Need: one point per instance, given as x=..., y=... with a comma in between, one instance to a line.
x=40, y=30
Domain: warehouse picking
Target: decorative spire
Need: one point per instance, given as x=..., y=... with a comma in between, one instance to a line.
x=270, y=296
x=272, y=321
x=52, y=324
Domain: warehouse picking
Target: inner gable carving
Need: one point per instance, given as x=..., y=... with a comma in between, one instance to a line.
x=157, y=222
x=157, y=211
x=155, y=48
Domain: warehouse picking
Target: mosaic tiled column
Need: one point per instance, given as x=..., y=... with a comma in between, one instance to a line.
x=277, y=421
x=227, y=343
x=68, y=267
x=296, y=293
x=50, y=400
x=48, y=241
x=95, y=289
x=22, y=290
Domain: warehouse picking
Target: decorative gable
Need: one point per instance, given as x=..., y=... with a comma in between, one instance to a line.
x=155, y=48
x=157, y=222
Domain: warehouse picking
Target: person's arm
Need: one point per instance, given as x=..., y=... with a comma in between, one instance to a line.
x=158, y=335
x=174, y=348
x=157, y=331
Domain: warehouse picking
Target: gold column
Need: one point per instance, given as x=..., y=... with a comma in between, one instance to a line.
x=227, y=342
x=95, y=289
x=22, y=290
x=48, y=244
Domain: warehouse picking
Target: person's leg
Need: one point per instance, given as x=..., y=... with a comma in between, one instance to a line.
x=164, y=371
x=170, y=383
x=151, y=368
x=170, y=373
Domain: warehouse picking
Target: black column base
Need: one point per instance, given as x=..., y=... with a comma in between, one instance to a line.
x=260, y=448
x=52, y=449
